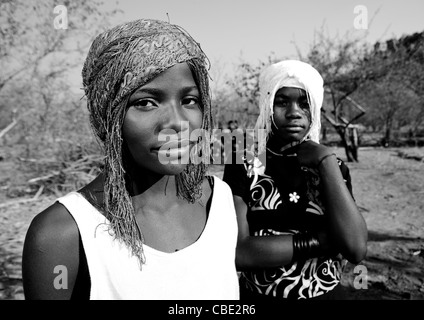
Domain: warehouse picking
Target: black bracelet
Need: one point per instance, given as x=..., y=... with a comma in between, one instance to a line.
x=305, y=246
x=325, y=157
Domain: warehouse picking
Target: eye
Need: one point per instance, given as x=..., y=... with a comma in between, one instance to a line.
x=304, y=104
x=281, y=102
x=144, y=104
x=190, y=101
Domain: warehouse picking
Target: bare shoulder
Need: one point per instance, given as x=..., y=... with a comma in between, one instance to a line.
x=53, y=224
x=51, y=245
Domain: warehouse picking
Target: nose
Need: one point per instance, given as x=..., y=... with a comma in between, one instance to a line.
x=173, y=117
x=294, y=110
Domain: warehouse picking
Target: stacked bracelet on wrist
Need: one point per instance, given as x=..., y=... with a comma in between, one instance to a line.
x=325, y=157
x=305, y=246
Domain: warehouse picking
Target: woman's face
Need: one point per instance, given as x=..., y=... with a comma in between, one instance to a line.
x=168, y=104
x=292, y=115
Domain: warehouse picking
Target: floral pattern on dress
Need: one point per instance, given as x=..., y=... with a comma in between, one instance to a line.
x=308, y=279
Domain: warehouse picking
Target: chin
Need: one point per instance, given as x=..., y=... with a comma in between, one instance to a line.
x=172, y=169
x=293, y=137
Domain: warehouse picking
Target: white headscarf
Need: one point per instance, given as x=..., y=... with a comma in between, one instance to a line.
x=289, y=73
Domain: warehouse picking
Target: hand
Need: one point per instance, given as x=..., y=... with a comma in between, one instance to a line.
x=310, y=153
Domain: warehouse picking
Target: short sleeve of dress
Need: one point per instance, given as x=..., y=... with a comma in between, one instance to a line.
x=235, y=176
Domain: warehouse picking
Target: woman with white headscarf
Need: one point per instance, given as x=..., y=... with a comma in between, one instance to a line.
x=297, y=218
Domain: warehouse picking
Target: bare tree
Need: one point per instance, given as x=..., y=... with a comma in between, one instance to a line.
x=245, y=86
x=42, y=113
x=396, y=96
x=37, y=59
x=341, y=63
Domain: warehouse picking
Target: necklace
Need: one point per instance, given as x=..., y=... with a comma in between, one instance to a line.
x=287, y=146
x=282, y=155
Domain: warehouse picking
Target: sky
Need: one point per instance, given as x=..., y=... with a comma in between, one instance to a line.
x=230, y=30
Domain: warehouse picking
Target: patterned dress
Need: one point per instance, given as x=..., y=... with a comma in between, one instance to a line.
x=284, y=198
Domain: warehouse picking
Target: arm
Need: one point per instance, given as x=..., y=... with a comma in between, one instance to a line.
x=259, y=252
x=347, y=228
x=51, y=241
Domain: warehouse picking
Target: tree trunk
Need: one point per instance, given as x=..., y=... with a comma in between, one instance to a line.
x=349, y=144
x=353, y=137
x=388, y=134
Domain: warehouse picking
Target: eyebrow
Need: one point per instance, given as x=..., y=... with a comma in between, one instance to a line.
x=158, y=92
x=152, y=91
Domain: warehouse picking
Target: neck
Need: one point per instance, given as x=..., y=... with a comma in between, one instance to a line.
x=161, y=193
x=283, y=149
x=158, y=185
x=277, y=145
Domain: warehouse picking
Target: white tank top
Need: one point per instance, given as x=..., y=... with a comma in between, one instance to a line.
x=205, y=270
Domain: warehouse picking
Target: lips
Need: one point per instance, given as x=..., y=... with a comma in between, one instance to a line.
x=293, y=128
x=173, y=149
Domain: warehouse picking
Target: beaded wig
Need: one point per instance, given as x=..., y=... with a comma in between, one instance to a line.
x=119, y=61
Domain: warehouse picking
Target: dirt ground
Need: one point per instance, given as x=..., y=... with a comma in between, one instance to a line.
x=388, y=188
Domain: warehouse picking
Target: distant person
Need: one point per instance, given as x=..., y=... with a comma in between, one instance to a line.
x=237, y=139
x=232, y=125
x=144, y=228
x=296, y=214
